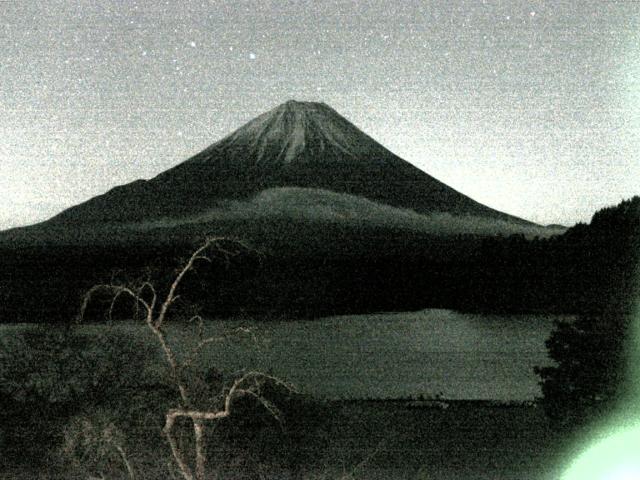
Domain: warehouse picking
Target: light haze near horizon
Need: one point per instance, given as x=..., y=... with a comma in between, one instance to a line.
x=530, y=107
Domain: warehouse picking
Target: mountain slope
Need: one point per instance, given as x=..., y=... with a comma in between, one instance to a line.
x=295, y=204
x=297, y=144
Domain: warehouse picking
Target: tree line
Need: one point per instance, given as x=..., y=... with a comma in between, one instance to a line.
x=588, y=269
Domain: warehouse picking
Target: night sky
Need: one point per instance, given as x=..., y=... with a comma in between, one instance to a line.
x=530, y=107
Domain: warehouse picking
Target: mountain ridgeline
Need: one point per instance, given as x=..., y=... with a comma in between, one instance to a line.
x=297, y=144
x=337, y=224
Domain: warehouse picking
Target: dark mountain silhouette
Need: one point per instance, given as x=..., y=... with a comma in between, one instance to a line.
x=297, y=144
x=339, y=222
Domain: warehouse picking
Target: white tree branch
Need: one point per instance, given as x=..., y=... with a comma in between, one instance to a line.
x=248, y=384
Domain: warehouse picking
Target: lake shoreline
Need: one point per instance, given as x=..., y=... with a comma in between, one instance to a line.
x=430, y=354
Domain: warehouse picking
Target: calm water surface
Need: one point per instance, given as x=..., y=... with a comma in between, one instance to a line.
x=390, y=355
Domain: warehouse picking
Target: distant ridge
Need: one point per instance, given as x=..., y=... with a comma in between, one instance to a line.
x=297, y=144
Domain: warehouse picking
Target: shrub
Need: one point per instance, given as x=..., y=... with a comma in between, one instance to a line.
x=94, y=445
x=50, y=374
x=589, y=376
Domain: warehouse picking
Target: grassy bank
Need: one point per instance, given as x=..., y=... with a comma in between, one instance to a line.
x=465, y=440
x=394, y=440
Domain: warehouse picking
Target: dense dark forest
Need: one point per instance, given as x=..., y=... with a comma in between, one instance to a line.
x=587, y=269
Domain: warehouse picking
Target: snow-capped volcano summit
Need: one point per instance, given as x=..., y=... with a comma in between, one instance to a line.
x=302, y=131
x=297, y=144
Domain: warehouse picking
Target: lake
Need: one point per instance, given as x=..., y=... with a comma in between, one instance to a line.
x=390, y=355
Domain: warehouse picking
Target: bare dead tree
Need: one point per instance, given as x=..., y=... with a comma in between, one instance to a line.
x=155, y=309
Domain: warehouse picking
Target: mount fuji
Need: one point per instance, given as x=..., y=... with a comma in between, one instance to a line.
x=304, y=146
x=300, y=163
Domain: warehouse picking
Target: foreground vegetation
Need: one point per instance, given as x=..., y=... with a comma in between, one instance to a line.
x=321, y=441
x=90, y=402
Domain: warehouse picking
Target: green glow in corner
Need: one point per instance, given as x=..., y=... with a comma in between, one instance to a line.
x=616, y=456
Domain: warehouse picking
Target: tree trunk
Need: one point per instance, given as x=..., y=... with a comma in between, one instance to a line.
x=185, y=471
x=201, y=455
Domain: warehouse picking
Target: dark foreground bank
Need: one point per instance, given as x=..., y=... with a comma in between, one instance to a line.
x=366, y=440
